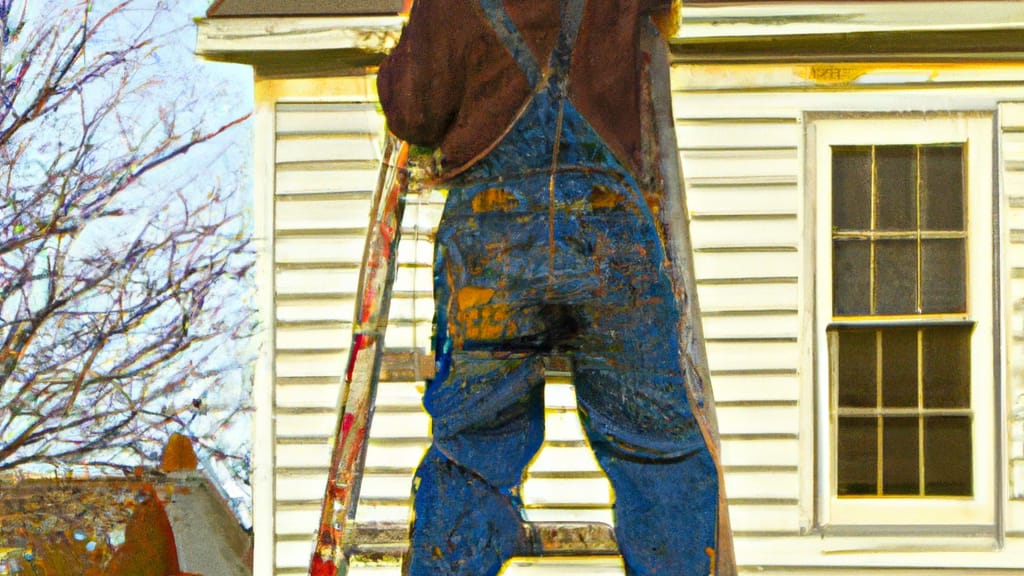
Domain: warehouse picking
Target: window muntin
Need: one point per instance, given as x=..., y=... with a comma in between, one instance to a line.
x=950, y=500
x=901, y=403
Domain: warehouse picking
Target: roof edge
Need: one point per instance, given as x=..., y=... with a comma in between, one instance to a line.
x=266, y=8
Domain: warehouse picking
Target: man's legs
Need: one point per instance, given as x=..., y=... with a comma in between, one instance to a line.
x=663, y=476
x=635, y=408
x=488, y=424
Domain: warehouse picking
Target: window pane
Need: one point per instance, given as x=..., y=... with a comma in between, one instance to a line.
x=947, y=367
x=942, y=188
x=900, y=463
x=896, y=277
x=857, y=456
x=947, y=456
x=944, y=267
x=851, y=188
x=851, y=284
x=899, y=368
x=858, y=362
x=896, y=182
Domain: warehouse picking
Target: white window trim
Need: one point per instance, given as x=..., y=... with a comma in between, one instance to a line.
x=976, y=132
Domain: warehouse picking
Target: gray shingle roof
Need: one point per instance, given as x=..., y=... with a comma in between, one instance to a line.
x=240, y=8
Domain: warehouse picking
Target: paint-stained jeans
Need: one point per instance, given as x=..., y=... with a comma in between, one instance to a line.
x=575, y=266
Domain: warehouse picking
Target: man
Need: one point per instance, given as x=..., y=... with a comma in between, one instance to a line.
x=546, y=245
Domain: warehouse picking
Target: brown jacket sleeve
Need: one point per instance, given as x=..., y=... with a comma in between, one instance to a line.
x=420, y=83
x=651, y=6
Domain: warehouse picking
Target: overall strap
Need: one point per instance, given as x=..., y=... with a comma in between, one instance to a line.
x=561, y=57
x=506, y=29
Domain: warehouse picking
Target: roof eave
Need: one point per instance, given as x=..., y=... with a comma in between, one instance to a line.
x=990, y=30
x=267, y=8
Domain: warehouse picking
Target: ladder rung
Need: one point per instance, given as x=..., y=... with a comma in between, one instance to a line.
x=386, y=541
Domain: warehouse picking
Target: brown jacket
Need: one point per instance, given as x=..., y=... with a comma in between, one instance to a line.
x=451, y=83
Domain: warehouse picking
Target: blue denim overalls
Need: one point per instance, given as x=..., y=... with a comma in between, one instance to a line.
x=547, y=245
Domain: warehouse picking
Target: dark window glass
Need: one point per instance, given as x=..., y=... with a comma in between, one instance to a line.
x=896, y=182
x=948, y=456
x=851, y=281
x=942, y=188
x=857, y=456
x=947, y=367
x=858, y=363
x=851, y=188
x=900, y=457
x=899, y=368
x=944, y=275
x=895, y=277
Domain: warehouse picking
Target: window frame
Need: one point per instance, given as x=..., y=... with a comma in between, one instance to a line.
x=975, y=132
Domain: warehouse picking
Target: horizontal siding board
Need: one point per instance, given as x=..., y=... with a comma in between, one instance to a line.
x=744, y=265
x=763, y=485
x=759, y=420
x=766, y=453
x=737, y=134
x=761, y=518
x=414, y=279
x=567, y=491
x=742, y=200
x=327, y=148
x=333, y=214
x=386, y=486
x=740, y=163
x=304, y=487
x=324, y=397
x=406, y=395
x=326, y=178
x=320, y=249
x=406, y=307
x=1012, y=147
x=560, y=395
x=563, y=427
x=771, y=295
x=739, y=388
x=554, y=459
x=341, y=281
x=329, y=119
x=310, y=364
x=415, y=250
x=297, y=521
x=321, y=424
x=403, y=336
x=776, y=325
x=1011, y=116
x=405, y=455
x=753, y=356
x=314, y=338
x=302, y=455
x=293, y=553
x=740, y=232
x=400, y=425
x=315, y=310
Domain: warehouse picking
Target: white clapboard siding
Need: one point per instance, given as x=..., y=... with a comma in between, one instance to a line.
x=326, y=158
x=742, y=175
x=1011, y=145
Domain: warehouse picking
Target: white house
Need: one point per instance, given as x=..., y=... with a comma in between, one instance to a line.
x=855, y=180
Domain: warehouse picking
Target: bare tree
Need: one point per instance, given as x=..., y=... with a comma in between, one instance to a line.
x=124, y=262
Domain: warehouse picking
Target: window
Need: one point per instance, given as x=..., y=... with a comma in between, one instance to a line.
x=904, y=301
